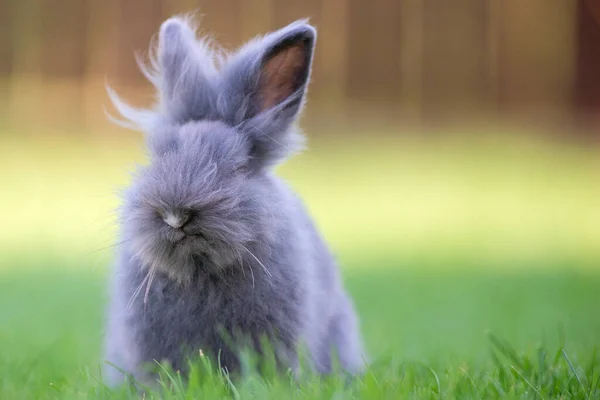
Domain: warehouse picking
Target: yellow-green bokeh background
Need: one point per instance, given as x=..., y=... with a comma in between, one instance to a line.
x=484, y=194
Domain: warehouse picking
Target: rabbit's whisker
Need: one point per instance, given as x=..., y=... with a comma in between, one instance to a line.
x=137, y=291
x=111, y=246
x=151, y=274
x=258, y=261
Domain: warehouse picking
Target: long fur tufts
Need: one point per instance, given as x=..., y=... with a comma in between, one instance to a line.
x=207, y=57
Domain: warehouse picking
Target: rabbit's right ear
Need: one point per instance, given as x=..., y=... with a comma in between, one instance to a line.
x=185, y=72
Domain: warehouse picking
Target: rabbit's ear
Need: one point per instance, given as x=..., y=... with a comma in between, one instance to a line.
x=186, y=72
x=264, y=85
x=182, y=69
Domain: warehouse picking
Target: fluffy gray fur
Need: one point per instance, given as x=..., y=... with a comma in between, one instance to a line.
x=247, y=258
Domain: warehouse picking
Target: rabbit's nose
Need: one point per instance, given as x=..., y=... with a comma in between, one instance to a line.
x=176, y=219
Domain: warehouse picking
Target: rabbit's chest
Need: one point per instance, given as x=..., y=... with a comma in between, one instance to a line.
x=198, y=317
x=199, y=309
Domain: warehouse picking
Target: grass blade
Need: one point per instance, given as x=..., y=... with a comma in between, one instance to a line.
x=437, y=380
x=527, y=382
x=575, y=373
x=506, y=349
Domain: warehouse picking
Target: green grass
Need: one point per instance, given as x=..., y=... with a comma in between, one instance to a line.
x=428, y=333
x=473, y=261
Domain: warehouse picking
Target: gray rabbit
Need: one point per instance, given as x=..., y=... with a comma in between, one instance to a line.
x=212, y=243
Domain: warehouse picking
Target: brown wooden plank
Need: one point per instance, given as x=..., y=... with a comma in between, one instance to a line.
x=63, y=62
x=6, y=56
x=256, y=18
x=493, y=36
x=103, y=36
x=536, y=54
x=101, y=61
x=332, y=53
x=220, y=19
x=289, y=11
x=587, y=81
x=138, y=22
x=25, y=90
x=6, y=37
x=455, y=57
x=179, y=7
x=63, y=35
x=411, y=58
x=374, y=51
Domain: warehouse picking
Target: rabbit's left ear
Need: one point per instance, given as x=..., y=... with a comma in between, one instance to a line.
x=273, y=71
x=284, y=69
x=265, y=83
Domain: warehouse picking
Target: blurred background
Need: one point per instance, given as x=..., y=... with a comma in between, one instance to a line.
x=453, y=161
x=387, y=60
x=422, y=115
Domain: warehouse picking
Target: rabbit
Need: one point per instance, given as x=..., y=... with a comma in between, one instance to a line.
x=212, y=242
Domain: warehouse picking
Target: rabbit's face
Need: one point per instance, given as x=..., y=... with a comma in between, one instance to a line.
x=197, y=204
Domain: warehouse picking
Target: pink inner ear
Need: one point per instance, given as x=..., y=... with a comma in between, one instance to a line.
x=281, y=75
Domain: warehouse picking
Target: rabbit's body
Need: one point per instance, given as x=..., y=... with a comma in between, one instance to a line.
x=301, y=300
x=212, y=240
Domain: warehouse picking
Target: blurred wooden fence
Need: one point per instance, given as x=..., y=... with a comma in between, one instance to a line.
x=410, y=58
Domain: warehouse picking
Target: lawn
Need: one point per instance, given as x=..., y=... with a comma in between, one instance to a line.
x=420, y=327
x=475, y=268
